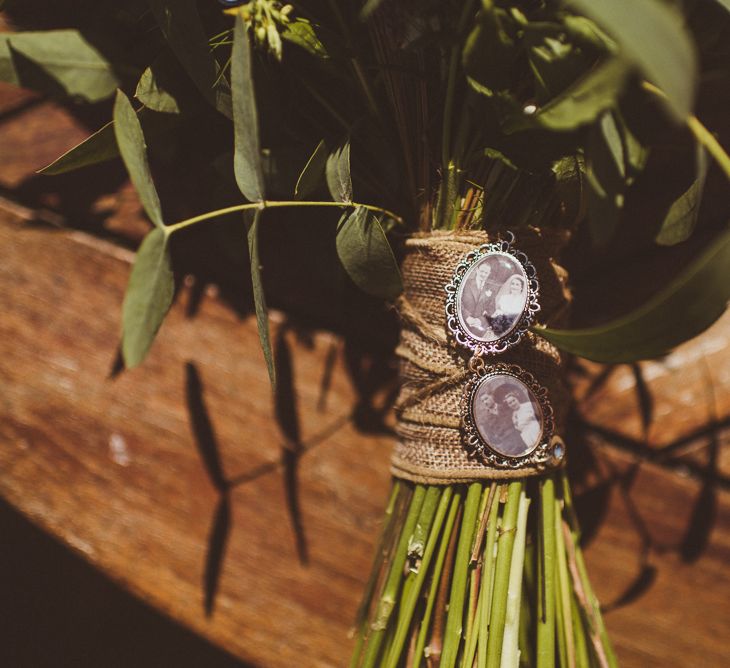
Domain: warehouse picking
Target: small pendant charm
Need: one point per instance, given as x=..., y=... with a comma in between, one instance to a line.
x=492, y=298
x=507, y=417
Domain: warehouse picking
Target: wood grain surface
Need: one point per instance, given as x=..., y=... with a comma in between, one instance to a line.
x=251, y=518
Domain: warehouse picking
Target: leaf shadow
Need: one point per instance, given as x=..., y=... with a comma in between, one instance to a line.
x=203, y=432
x=287, y=417
x=217, y=541
x=645, y=399
x=704, y=512
x=207, y=445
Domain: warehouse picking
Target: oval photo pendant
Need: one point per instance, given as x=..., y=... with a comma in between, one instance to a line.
x=492, y=298
x=507, y=417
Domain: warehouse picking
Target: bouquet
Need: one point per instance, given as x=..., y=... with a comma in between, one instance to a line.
x=479, y=162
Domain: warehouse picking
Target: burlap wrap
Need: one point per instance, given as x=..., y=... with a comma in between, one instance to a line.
x=433, y=371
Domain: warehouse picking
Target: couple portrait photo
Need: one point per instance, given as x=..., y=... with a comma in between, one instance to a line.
x=492, y=297
x=507, y=416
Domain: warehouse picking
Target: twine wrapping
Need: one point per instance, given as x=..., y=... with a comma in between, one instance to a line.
x=433, y=371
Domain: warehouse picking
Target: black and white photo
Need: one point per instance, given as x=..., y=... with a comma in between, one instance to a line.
x=507, y=415
x=492, y=297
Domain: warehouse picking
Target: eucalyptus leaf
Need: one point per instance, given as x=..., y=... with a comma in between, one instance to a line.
x=150, y=94
x=635, y=153
x=247, y=153
x=262, y=315
x=652, y=34
x=337, y=172
x=7, y=67
x=686, y=307
x=311, y=175
x=133, y=149
x=148, y=297
x=585, y=32
x=606, y=176
x=582, y=102
x=681, y=219
x=366, y=255
x=301, y=32
x=64, y=56
x=162, y=86
x=555, y=62
x=98, y=147
x=180, y=24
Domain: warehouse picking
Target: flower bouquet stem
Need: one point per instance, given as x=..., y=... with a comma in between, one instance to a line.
x=481, y=574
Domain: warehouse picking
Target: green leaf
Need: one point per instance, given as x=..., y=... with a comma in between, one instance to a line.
x=586, y=33
x=494, y=154
x=337, y=171
x=262, y=314
x=152, y=96
x=651, y=34
x=681, y=219
x=555, y=62
x=368, y=8
x=64, y=56
x=686, y=307
x=148, y=297
x=582, y=102
x=165, y=87
x=133, y=149
x=311, y=175
x=180, y=24
x=606, y=176
x=98, y=147
x=7, y=68
x=301, y=32
x=247, y=154
x=366, y=255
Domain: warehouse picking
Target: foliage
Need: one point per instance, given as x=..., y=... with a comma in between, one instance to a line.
x=500, y=85
x=388, y=118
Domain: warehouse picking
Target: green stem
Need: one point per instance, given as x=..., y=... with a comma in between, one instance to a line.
x=708, y=140
x=488, y=573
x=417, y=542
x=563, y=617
x=266, y=204
x=409, y=603
x=475, y=586
x=436, y=577
x=501, y=575
x=510, y=644
x=546, y=577
x=701, y=133
x=392, y=584
x=379, y=557
x=455, y=620
x=582, y=658
x=528, y=613
x=582, y=585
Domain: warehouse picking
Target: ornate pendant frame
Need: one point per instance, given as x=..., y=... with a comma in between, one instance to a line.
x=513, y=336
x=542, y=455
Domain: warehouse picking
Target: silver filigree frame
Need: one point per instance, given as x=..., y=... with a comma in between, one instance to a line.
x=523, y=323
x=542, y=455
